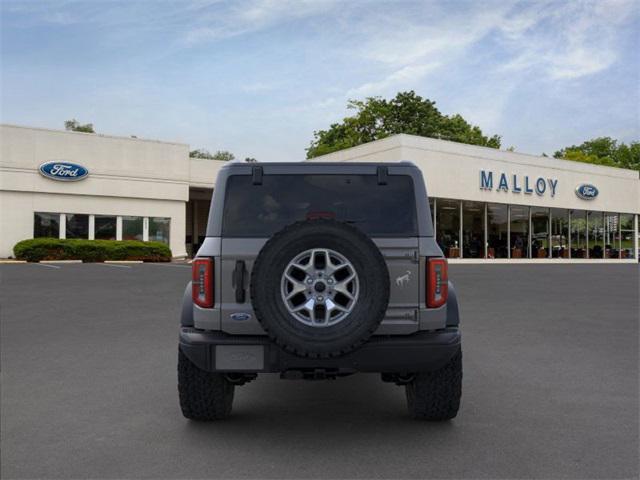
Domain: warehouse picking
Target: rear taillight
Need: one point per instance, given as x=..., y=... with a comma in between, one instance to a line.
x=202, y=282
x=437, y=282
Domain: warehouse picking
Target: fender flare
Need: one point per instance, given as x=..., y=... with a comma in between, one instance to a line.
x=453, y=314
x=186, y=314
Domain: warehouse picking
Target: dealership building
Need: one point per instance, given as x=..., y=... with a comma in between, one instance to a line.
x=486, y=205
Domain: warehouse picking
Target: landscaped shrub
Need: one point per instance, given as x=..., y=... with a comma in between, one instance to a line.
x=37, y=249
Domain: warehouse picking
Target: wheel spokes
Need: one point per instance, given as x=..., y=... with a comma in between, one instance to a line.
x=319, y=287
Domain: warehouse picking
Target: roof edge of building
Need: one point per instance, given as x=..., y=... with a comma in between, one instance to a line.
x=118, y=137
x=416, y=141
x=404, y=140
x=363, y=146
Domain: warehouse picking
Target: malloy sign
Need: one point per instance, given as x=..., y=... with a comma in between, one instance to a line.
x=515, y=183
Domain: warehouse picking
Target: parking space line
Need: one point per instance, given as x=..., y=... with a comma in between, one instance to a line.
x=46, y=265
x=170, y=265
x=112, y=265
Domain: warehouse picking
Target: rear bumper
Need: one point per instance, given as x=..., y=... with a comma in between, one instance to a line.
x=217, y=351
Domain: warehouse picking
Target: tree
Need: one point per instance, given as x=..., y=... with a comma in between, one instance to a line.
x=75, y=126
x=223, y=155
x=377, y=118
x=250, y=160
x=604, y=151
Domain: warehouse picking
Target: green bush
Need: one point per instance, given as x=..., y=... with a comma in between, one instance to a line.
x=37, y=249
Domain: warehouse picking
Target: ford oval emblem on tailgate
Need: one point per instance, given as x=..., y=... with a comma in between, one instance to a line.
x=240, y=316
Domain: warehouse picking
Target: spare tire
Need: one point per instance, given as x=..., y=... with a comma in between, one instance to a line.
x=320, y=288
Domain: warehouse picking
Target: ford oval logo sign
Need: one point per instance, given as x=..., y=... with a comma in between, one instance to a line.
x=63, y=171
x=586, y=191
x=240, y=316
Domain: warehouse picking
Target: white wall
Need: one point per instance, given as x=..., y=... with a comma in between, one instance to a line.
x=203, y=172
x=452, y=170
x=126, y=177
x=17, y=210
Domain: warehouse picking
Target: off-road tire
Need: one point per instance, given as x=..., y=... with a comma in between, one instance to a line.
x=204, y=396
x=362, y=321
x=435, y=396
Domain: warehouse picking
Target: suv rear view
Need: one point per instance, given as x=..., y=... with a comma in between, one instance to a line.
x=314, y=271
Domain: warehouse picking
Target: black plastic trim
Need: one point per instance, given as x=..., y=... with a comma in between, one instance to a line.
x=383, y=172
x=423, y=351
x=256, y=173
x=238, y=281
x=453, y=314
x=186, y=314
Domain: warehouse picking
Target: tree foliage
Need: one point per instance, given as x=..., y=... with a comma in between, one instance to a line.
x=74, y=126
x=223, y=155
x=377, y=118
x=604, y=151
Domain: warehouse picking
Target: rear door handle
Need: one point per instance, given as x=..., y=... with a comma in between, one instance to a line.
x=238, y=281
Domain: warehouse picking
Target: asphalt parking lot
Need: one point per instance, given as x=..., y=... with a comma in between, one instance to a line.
x=89, y=385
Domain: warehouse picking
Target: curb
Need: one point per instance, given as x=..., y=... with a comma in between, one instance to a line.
x=8, y=262
x=123, y=261
x=541, y=261
x=60, y=261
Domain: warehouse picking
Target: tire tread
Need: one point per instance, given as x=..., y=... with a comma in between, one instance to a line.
x=435, y=396
x=204, y=396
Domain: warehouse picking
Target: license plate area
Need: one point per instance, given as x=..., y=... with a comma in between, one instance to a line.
x=247, y=358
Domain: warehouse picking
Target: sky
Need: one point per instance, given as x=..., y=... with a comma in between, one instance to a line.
x=258, y=77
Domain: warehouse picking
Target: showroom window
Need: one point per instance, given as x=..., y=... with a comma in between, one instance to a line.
x=46, y=225
x=106, y=227
x=77, y=226
x=578, y=234
x=595, y=236
x=519, y=231
x=159, y=229
x=611, y=235
x=497, y=231
x=432, y=211
x=539, y=232
x=132, y=228
x=560, y=233
x=473, y=230
x=467, y=229
x=626, y=236
x=448, y=231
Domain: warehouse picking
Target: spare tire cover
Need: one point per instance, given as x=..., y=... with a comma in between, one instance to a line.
x=320, y=288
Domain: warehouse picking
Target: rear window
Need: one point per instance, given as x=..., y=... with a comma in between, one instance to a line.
x=262, y=210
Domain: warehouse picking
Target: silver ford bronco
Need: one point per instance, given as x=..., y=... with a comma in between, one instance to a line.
x=317, y=271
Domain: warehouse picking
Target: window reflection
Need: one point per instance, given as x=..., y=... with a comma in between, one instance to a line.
x=611, y=235
x=77, y=226
x=159, y=229
x=46, y=225
x=132, y=228
x=448, y=230
x=626, y=236
x=519, y=231
x=432, y=210
x=105, y=227
x=596, y=235
x=578, y=234
x=472, y=230
x=559, y=233
x=497, y=230
x=539, y=232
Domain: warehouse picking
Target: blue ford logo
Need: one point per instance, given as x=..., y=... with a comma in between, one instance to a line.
x=64, y=171
x=586, y=191
x=240, y=316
